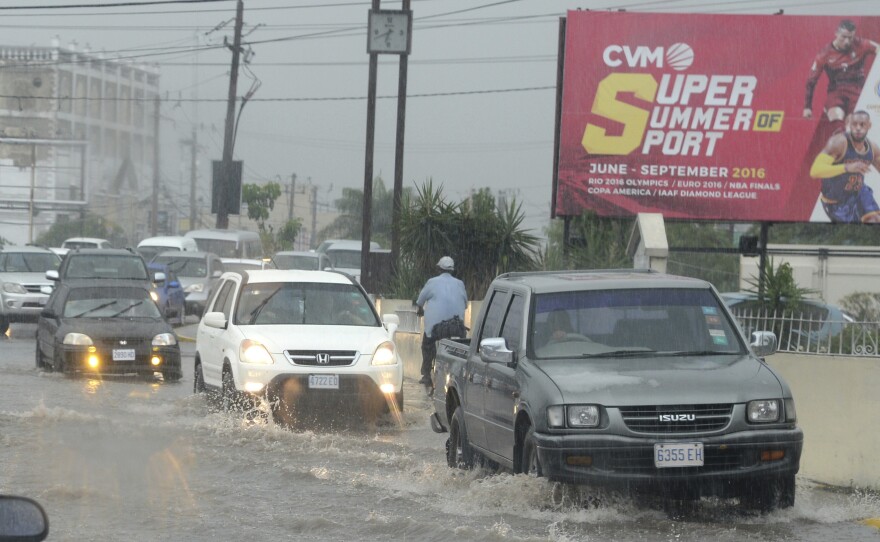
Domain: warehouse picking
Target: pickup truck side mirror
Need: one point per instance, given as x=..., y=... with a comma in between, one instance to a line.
x=159, y=277
x=52, y=274
x=495, y=350
x=763, y=343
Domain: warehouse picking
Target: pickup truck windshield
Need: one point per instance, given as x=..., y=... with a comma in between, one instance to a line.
x=629, y=321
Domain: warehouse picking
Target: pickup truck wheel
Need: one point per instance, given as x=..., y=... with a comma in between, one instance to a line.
x=770, y=495
x=531, y=465
x=459, y=454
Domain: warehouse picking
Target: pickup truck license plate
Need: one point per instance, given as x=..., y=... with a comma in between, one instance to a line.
x=126, y=354
x=325, y=382
x=678, y=454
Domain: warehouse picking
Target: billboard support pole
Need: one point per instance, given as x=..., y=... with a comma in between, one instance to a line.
x=762, y=263
x=560, y=62
x=566, y=239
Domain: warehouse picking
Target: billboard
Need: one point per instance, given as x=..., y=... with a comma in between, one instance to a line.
x=719, y=117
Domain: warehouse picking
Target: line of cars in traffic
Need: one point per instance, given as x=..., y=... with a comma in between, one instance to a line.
x=105, y=310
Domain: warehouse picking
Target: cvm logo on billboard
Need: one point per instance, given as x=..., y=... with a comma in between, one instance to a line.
x=678, y=56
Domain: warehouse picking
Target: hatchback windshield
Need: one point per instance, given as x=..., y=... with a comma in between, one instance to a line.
x=638, y=321
x=28, y=262
x=304, y=303
x=102, y=303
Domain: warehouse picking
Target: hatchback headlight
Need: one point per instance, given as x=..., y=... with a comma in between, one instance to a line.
x=13, y=288
x=154, y=296
x=252, y=351
x=384, y=354
x=165, y=339
x=194, y=288
x=78, y=339
x=763, y=411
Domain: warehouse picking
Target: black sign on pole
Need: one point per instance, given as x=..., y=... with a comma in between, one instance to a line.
x=232, y=178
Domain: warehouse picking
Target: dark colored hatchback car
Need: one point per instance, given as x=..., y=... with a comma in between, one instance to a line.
x=106, y=327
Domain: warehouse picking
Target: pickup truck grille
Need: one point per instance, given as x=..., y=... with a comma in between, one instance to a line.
x=321, y=358
x=669, y=419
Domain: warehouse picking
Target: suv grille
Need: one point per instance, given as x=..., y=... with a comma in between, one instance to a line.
x=682, y=418
x=321, y=358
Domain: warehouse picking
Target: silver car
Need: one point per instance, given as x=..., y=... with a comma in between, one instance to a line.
x=23, y=284
x=198, y=272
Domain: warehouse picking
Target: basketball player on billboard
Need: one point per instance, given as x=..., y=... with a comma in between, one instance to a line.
x=846, y=61
x=842, y=165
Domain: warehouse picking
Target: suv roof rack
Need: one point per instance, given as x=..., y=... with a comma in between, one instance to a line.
x=516, y=274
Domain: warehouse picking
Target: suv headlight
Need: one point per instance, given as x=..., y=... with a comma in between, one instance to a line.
x=154, y=296
x=194, y=288
x=384, y=354
x=164, y=339
x=13, y=288
x=78, y=339
x=252, y=351
x=575, y=416
x=763, y=411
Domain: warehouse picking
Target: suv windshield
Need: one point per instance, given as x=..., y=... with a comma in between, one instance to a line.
x=304, y=303
x=28, y=262
x=94, y=266
x=191, y=267
x=286, y=261
x=346, y=259
x=220, y=247
x=633, y=321
x=119, y=302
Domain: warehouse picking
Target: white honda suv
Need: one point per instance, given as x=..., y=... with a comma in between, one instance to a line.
x=302, y=340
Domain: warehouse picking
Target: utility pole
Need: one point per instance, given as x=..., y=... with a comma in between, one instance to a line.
x=290, y=203
x=226, y=168
x=154, y=203
x=193, y=176
x=313, y=237
x=33, y=185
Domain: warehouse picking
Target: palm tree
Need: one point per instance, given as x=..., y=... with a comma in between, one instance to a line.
x=349, y=223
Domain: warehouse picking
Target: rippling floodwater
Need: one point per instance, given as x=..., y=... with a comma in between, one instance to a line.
x=128, y=459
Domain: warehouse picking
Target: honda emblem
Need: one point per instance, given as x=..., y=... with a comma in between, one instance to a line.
x=322, y=359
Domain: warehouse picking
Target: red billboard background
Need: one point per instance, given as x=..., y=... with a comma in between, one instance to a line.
x=697, y=116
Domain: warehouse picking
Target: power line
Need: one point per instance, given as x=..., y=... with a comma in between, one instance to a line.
x=305, y=99
x=111, y=5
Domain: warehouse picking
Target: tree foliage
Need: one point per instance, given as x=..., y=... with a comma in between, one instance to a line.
x=484, y=239
x=780, y=291
x=91, y=225
x=260, y=201
x=350, y=222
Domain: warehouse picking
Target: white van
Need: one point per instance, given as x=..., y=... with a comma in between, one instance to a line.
x=228, y=243
x=85, y=242
x=151, y=246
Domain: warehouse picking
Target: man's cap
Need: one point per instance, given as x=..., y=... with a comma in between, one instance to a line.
x=446, y=264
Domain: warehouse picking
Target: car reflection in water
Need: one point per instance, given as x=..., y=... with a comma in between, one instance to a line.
x=106, y=327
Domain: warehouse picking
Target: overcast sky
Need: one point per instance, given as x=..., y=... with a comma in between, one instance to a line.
x=481, y=84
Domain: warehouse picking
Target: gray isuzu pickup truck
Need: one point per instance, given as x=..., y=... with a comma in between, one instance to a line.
x=626, y=378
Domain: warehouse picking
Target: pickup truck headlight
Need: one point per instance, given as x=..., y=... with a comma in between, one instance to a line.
x=384, y=354
x=254, y=352
x=78, y=339
x=763, y=411
x=164, y=339
x=583, y=416
x=13, y=288
x=575, y=416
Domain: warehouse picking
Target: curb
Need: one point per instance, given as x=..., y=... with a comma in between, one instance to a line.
x=183, y=339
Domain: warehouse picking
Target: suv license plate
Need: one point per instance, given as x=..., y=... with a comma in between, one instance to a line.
x=126, y=354
x=325, y=382
x=679, y=454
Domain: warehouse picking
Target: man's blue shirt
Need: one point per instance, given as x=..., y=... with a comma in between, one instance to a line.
x=442, y=298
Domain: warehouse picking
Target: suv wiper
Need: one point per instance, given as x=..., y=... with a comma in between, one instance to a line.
x=695, y=353
x=626, y=353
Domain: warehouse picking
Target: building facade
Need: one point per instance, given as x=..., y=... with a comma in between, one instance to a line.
x=77, y=134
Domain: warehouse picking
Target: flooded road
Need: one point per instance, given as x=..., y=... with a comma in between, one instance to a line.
x=131, y=459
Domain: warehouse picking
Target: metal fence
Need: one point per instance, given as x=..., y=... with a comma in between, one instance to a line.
x=807, y=333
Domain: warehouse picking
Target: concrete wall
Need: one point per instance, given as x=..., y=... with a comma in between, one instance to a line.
x=837, y=400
